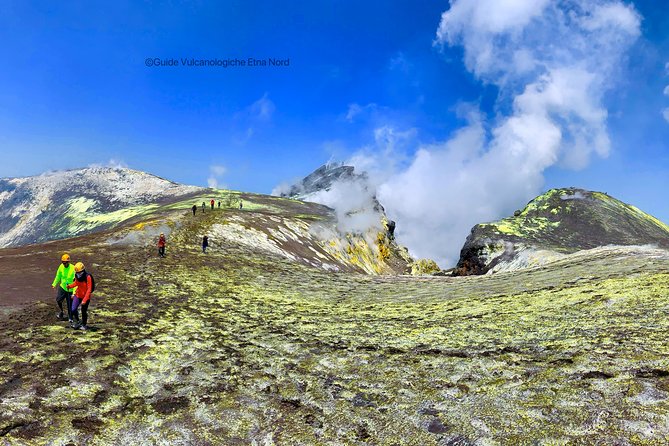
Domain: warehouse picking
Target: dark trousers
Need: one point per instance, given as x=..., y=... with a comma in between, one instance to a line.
x=84, y=310
x=161, y=251
x=84, y=313
x=67, y=297
x=75, y=308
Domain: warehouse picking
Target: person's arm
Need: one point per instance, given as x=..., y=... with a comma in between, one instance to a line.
x=72, y=285
x=89, y=283
x=56, y=281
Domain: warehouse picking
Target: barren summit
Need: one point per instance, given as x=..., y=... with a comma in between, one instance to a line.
x=559, y=222
x=63, y=204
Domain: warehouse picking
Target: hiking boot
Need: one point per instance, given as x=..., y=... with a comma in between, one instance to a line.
x=83, y=327
x=60, y=316
x=75, y=325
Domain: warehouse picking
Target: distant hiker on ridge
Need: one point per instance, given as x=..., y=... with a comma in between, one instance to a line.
x=64, y=277
x=240, y=203
x=219, y=204
x=212, y=204
x=161, y=245
x=203, y=206
x=85, y=286
x=205, y=244
x=194, y=208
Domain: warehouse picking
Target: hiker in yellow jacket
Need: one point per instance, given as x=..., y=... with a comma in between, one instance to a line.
x=64, y=277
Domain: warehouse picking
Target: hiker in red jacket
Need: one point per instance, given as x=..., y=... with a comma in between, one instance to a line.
x=84, y=284
x=161, y=245
x=212, y=204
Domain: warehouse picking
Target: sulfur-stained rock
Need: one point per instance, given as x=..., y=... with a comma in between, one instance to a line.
x=257, y=342
x=422, y=267
x=559, y=222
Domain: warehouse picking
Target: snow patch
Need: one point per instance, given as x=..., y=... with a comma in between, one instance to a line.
x=38, y=201
x=248, y=237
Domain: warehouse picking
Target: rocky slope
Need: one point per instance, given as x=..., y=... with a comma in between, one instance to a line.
x=246, y=345
x=277, y=336
x=559, y=222
x=63, y=204
x=67, y=203
x=321, y=179
x=353, y=199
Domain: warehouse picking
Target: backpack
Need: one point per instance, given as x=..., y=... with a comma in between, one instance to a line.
x=92, y=282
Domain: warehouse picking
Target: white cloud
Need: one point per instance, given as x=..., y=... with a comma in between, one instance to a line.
x=353, y=202
x=400, y=62
x=113, y=163
x=613, y=16
x=356, y=110
x=216, y=172
x=666, y=90
x=554, y=61
x=487, y=16
x=387, y=154
x=253, y=117
x=262, y=109
x=117, y=164
x=503, y=38
x=353, y=111
x=478, y=23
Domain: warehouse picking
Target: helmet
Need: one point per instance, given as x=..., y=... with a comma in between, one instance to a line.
x=79, y=267
x=65, y=258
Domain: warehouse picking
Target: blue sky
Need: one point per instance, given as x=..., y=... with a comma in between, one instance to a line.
x=76, y=83
x=75, y=90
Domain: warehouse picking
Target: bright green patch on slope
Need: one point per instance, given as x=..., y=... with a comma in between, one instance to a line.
x=561, y=221
x=237, y=347
x=82, y=216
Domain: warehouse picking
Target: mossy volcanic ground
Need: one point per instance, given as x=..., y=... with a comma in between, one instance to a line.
x=242, y=346
x=559, y=222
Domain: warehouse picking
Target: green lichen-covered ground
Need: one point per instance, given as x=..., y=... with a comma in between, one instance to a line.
x=560, y=221
x=241, y=346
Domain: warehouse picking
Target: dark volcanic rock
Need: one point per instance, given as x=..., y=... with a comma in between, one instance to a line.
x=322, y=179
x=561, y=221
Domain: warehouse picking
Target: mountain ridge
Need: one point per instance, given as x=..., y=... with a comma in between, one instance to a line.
x=558, y=222
x=246, y=345
x=62, y=204
x=280, y=335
